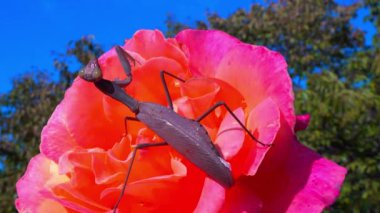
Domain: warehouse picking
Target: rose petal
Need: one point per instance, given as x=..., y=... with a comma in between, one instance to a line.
x=302, y=121
x=294, y=178
x=142, y=195
x=262, y=74
x=241, y=198
x=230, y=136
x=150, y=44
x=201, y=93
x=183, y=107
x=56, y=130
x=323, y=184
x=79, y=120
x=147, y=84
x=265, y=120
x=205, y=49
x=78, y=199
x=212, y=197
x=40, y=175
x=256, y=72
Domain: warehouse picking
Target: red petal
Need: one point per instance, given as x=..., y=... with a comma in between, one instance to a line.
x=294, y=178
x=34, y=194
x=212, y=197
x=206, y=49
x=264, y=119
x=256, y=72
x=152, y=43
x=230, y=136
x=302, y=122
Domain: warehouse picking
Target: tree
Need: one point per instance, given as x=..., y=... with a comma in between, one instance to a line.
x=26, y=109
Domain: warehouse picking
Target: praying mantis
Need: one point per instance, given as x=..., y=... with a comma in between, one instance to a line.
x=185, y=135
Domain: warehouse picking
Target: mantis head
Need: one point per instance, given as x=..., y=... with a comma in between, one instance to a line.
x=91, y=72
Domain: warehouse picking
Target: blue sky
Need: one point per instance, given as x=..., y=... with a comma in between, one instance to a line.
x=31, y=30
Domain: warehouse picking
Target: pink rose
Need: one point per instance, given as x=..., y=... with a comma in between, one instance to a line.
x=85, y=151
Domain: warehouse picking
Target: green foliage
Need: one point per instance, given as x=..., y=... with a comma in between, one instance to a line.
x=24, y=112
x=310, y=34
x=173, y=27
x=345, y=128
x=342, y=77
x=26, y=109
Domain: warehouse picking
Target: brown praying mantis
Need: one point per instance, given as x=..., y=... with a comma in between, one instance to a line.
x=185, y=135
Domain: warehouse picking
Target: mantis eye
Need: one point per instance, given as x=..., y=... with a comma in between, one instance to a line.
x=81, y=73
x=97, y=73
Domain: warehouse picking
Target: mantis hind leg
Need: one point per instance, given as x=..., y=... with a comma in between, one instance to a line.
x=138, y=146
x=221, y=103
x=167, y=94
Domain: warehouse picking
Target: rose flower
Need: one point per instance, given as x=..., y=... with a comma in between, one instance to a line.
x=86, y=148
